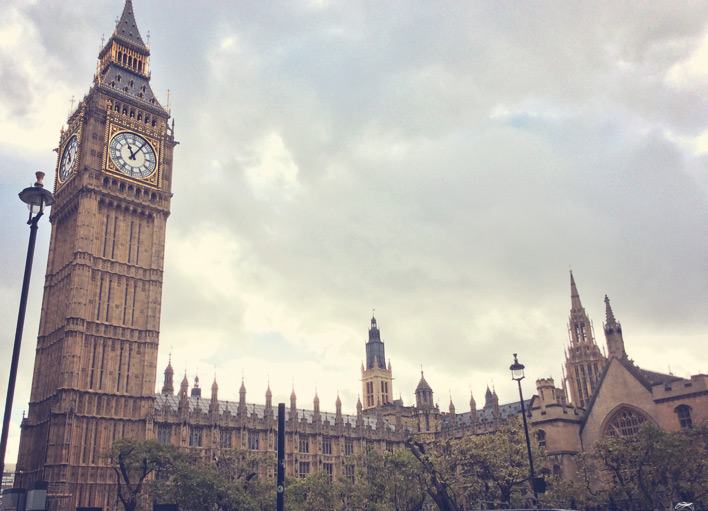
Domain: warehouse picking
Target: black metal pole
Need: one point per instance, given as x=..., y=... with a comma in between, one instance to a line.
x=281, y=457
x=528, y=443
x=18, y=340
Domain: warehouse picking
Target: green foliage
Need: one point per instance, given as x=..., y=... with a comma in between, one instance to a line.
x=314, y=493
x=136, y=462
x=455, y=474
x=492, y=467
x=151, y=471
x=656, y=464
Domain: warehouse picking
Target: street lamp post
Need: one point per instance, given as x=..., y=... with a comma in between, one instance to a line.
x=36, y=198
x=517, y=374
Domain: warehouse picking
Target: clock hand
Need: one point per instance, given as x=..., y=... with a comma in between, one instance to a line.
x=140, y=148
x=132, y=154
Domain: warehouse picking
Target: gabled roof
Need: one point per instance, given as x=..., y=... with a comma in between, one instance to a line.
x=646, y=378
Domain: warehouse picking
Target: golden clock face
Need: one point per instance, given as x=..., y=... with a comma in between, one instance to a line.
x=132, y=154
x=68, y=158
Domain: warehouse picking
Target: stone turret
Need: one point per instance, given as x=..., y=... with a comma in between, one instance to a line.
x=196, y=390
x=613, y=334
x=316, y=411
x=168, y=386
x=214, y=403
x=242, y=400
x=338, y=419
x=268, y=413
x=473, y=410
x=184, y=386
x=293, y=406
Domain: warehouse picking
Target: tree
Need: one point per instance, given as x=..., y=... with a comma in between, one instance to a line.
x=229, y=483
x=436, y=484
x=491, y=467
x=135, y=462
x=313, y=493
x=634, y=472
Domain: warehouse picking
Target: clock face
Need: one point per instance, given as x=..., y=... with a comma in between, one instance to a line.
x=68, y=158
x=133, y=155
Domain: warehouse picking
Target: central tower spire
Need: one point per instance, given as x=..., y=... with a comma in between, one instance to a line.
x=584, y=360
x=376, y=378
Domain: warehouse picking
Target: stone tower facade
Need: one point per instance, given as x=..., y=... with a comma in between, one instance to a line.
x=584, y=361
x=376, y=377
x=95, y=362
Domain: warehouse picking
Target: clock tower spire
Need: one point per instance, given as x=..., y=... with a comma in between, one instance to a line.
x=96, y=357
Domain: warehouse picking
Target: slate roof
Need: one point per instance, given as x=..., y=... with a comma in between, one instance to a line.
x=127, y=28
x=486, y=415
x=117, y=80
x=202, y=405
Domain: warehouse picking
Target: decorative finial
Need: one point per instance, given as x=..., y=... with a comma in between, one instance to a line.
x=40, y=175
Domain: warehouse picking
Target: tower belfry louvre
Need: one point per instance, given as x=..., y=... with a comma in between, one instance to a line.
x=95, y=363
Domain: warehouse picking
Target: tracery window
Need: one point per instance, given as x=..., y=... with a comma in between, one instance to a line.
x=625, y=423
x=164, y=434
x=326, y=446
x=303, y=469
x=224, y=439
x=684, y=416
x=253, y=438
x=304, y=444
x=195, y=437
x=348, y=447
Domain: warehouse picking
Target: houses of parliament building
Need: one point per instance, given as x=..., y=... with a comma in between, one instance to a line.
x=95, y=366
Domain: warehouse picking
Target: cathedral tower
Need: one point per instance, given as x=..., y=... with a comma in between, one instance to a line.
x=584, y=360
x=95, y=363
x=376, y=378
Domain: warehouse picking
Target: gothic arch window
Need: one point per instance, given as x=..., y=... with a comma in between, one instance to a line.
x=541, y=437
x=624, y=423
x=684, y=416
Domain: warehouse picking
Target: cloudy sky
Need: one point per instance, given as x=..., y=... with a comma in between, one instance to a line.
x=443, y=163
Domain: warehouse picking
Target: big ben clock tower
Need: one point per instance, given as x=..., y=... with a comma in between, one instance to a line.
x=95, y=365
